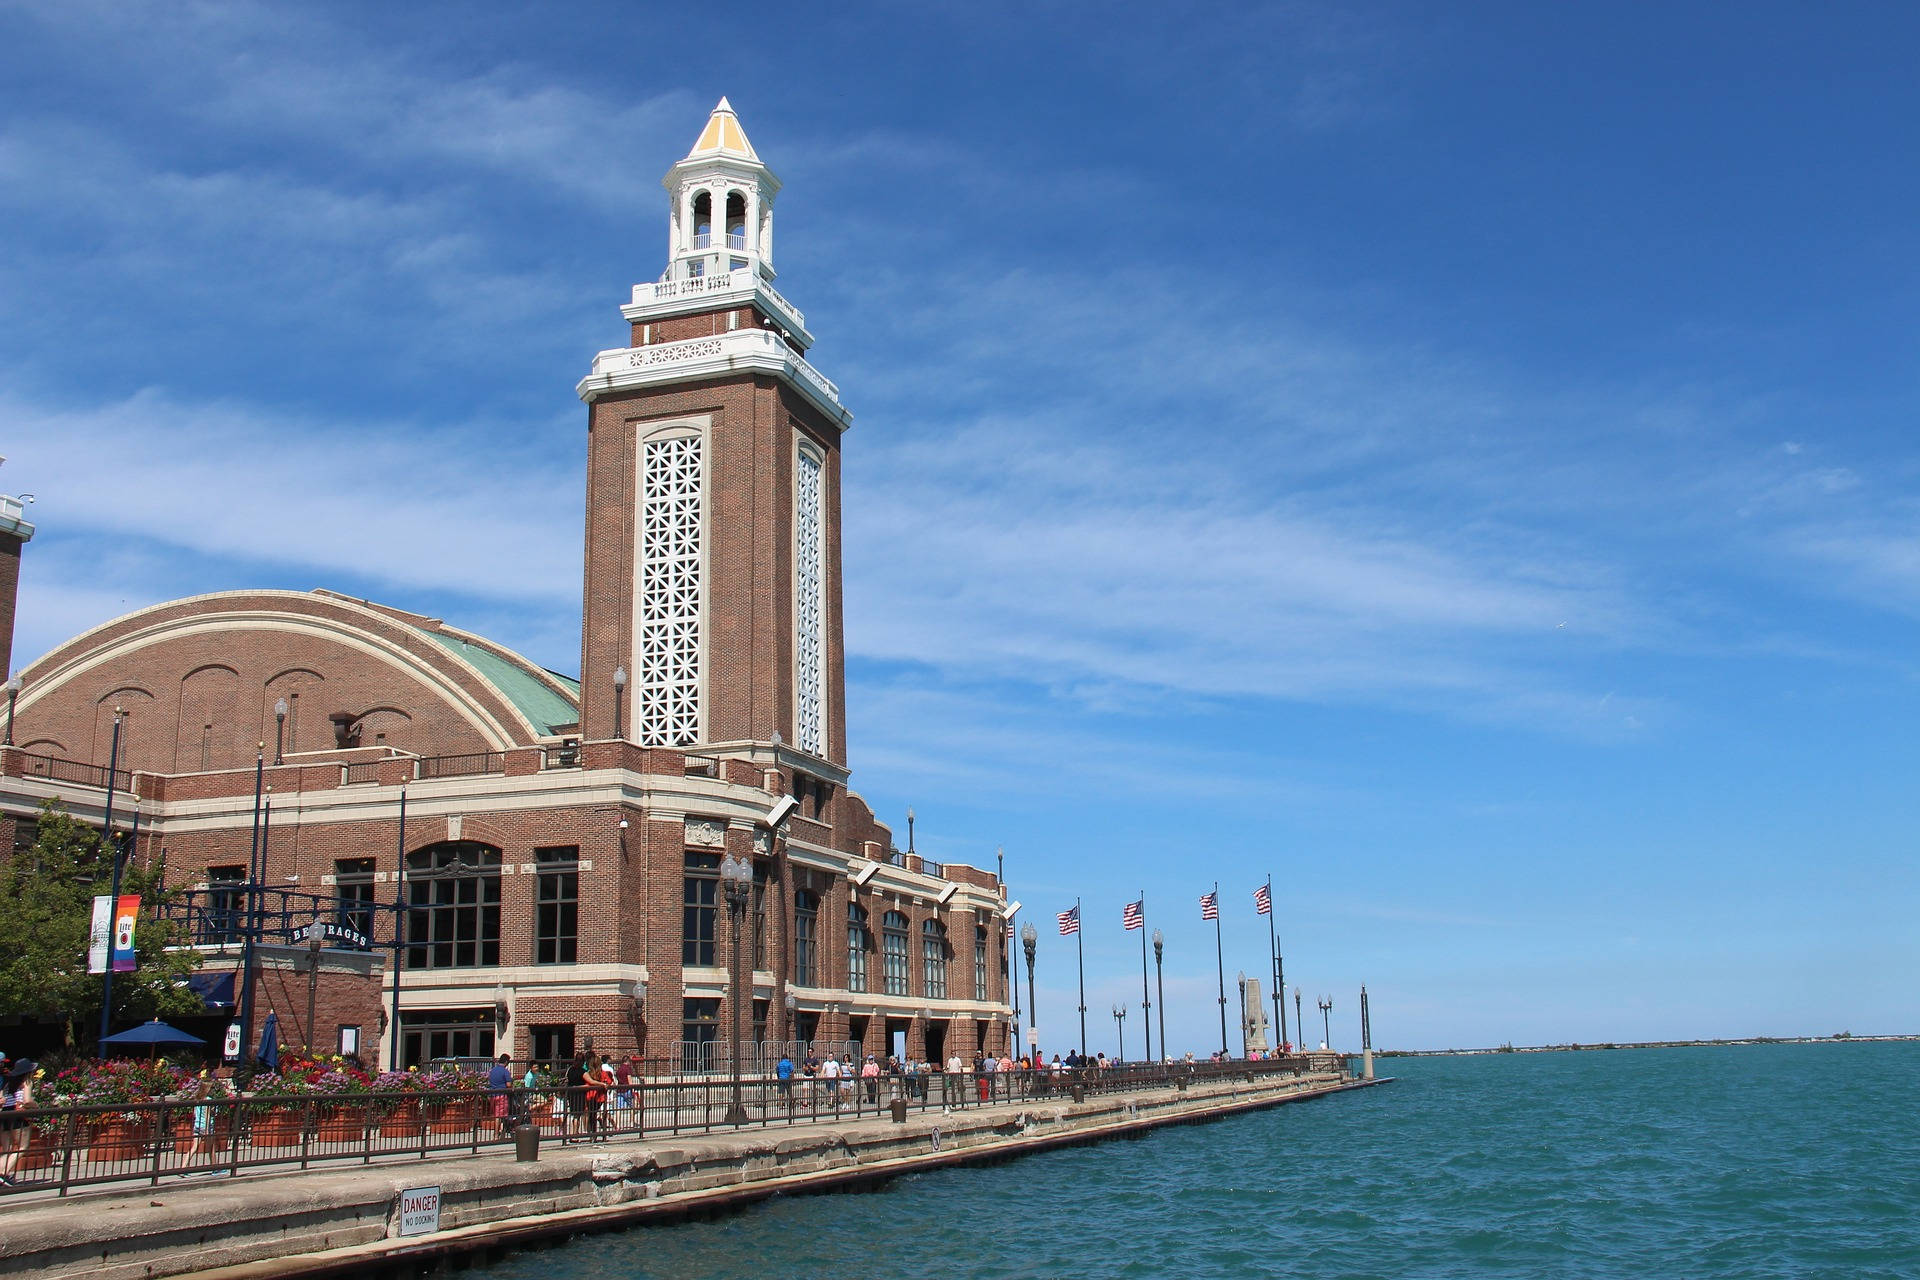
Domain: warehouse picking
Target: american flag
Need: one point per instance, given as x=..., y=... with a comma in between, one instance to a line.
x=1009, y=930
x=1134, y=914
x=1070, y=920
x=1263, y=901
x=1210, y=905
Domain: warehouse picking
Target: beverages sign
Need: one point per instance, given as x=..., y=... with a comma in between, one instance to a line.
x=419, y=1211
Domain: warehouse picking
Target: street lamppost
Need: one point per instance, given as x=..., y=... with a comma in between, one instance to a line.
x=736, y=883
x=792, y=1004
x=1120, y=1026
x=1030, y=938
x=1245, y=1023
x=315, y=932
x=619, y=698
x=113, y=897
x=13, y=696
x=1326, y=1028
x=1298, y=1021
x=280, y=731
x=1160, y=989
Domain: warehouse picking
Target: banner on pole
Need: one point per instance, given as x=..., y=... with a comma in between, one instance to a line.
x=100, y=935
x=124, y=916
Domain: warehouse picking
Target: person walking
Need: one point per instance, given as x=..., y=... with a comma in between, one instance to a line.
x=953, y=1085
x=202, y=1128
x=576, y=1094
x=500, y=1084
x=830, y=1072
x=870, y=1077
x=783, y=1080
x=16, y=1097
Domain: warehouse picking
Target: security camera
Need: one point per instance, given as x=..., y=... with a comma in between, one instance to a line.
x=782, y=810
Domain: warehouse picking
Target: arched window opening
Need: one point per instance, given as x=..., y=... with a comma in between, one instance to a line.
x=736, y=220
x=859, y=942
x=702, y=220
x=893, y=952
x=453, y=906
x=933, y=950
x=806, y=935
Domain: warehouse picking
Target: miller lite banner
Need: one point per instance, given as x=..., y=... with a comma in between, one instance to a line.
x=110, y=941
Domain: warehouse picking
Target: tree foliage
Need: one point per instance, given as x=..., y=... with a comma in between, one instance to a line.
x=46, y=915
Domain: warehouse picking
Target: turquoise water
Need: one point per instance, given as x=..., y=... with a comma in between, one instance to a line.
x=1746, y=1161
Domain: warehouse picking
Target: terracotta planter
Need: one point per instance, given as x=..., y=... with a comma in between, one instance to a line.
x=115, y=1141
x=341, y=1125
x=455, y=1117
x=39, y=1155
x=401, y=1122
x=279, y=1128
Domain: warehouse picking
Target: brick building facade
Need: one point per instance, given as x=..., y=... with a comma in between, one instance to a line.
x=546, y=850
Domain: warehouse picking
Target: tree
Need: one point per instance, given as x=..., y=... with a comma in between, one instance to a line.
x=46, y=914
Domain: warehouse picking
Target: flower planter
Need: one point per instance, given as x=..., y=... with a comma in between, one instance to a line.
x=341, y=1125
x=39, y=1155
x=401, y=1122
x=457, y=1116
x=115, y=1141
x=279, y=1128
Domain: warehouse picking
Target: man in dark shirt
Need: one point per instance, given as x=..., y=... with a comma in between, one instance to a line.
x=576, y=1092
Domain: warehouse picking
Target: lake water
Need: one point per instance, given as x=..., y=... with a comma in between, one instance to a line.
x=1744, y=1161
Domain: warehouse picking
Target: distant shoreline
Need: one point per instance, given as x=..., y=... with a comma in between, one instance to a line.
x=1637, y=1044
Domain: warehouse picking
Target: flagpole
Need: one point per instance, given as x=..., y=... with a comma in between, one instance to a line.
x=1273, y=957
x=1146, y=1004
x=1219, y=956
x=1080, y=945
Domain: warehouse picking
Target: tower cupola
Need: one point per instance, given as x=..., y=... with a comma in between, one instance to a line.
x=722, y=218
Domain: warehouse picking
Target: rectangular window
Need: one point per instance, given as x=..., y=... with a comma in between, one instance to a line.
x=349, y=1041
x=700, y=915
x=552, y=1042
x=445, y=1033
x=893, y=943
x=699, y=1030
x=556, y=910
x=353, y=895
x=806, y=938
x=226, y=906
x=760, y=1008
x=979, y=962
x=933, y=950
x=859, y=942
x=761, y=873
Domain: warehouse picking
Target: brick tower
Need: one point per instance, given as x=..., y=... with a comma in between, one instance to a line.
x=712, y=591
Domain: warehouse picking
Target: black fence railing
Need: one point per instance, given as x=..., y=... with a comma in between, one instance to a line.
x=56, y=769
x=70, y=1147
x=459, y=766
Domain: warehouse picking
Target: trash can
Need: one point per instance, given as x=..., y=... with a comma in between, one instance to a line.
x=899, y=1108
x=526, y=1143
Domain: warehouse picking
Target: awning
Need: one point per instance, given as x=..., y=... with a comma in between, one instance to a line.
x=214, y=989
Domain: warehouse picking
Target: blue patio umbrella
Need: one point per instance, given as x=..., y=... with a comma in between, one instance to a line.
x=151, y=1035
x=269, y=1055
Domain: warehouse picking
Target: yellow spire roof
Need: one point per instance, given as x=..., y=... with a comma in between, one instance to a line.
x=723, y=135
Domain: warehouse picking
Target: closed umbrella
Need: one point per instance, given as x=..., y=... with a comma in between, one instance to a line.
x=269, y=1055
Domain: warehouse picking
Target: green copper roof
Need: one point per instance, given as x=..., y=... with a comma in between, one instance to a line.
x=534, y=698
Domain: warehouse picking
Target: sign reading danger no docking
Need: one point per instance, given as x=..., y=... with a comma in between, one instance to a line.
x=419, y=1211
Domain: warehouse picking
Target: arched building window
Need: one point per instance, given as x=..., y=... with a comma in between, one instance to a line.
x=453, y=906
x=806, y=938
x=893, y=952
x=933, y=950
x=702, y=220
x=859, y=942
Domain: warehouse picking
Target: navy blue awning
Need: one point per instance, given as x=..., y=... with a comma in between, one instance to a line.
x=214, y=989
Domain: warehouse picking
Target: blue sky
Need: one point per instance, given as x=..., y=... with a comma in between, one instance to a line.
x=1460, y=464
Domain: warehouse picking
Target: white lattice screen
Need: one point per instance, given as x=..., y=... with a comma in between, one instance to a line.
x=667, y=688
x=809, y=572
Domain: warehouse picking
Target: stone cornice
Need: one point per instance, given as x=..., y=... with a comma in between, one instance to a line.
x=697, y=359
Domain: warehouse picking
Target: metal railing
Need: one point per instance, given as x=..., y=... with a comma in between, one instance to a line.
x=70, y=1147
x=359, y=771
x=218, y=915
x=458, y=766
x=56, y=769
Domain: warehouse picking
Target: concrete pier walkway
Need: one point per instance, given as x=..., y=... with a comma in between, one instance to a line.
x=347, y=1221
